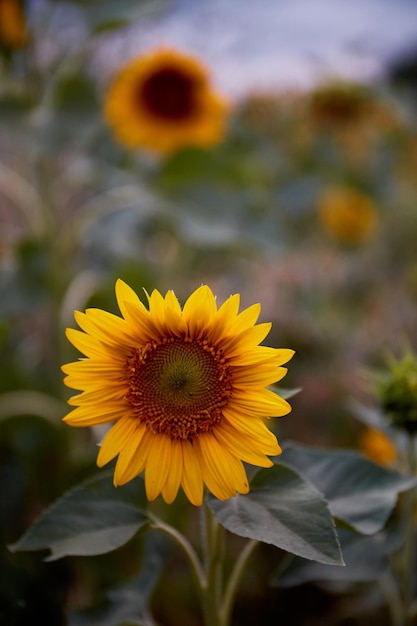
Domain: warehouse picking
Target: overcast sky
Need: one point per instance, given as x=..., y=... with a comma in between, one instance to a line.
x=262, y=44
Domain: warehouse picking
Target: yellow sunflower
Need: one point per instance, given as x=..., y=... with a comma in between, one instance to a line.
x=186, y=390
x=337, y=104
x=13, y=30
x=347, y=214
x=164, y=101
x=376, y=445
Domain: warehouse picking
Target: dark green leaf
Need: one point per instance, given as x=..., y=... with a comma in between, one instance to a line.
x=285, y=510
x=75, y=93
x=359, y=493
x=93, y=518
x=128, y=603
x=365, y=557
x=371, y=417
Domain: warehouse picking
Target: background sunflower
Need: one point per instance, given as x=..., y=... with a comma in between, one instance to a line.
x=164, y=101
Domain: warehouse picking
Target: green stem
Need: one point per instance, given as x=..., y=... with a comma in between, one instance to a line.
x=216, y=606
x=393, y=598
x=186, y=548
x=410, y=538
x=231, y=589
x=211, y=594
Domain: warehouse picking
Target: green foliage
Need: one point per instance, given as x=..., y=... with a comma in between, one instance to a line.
x=366, y=559
x=94, y=518
x=396, y=391
x=285, y=510
x=359, y=493
x=128, y=603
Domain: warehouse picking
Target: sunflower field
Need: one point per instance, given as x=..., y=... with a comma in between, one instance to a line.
x=208, y=357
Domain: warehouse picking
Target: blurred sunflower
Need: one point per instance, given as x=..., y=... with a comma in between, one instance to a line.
x=338, y=104
x=163, y=101
x=347, y=214
x=13, y=29
x=186, y=389
x=377, y=446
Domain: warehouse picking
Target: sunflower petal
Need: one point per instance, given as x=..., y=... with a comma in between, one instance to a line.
x=199, y=310
x=158, y=465
x=132, y=459
x=192, y=480
x=124, y=293
x=245, y=447
x=222, y=472
x=115, y=440
x=173, y=481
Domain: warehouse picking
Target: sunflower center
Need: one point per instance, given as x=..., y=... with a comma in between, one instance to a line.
x=168, y=94
x=179, y=387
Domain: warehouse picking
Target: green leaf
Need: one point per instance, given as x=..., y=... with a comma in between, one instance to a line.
x=366, y=560
x=129, y=603
x=285, y=510
x=75, y=93
x=371, y=417
x=359, y=492
x=93, y=518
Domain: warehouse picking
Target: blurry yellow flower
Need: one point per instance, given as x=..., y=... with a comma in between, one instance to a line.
x=347, y=214
x=375, y=445
x=13, y=30
x=163, y=101
x=186, y=389
x=339, y=103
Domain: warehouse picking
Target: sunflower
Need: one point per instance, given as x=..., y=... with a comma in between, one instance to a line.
x=338, y=104
x=347, y=214
x=13, y=30
x=377, y=446
x=185, y=388
x=163, y=101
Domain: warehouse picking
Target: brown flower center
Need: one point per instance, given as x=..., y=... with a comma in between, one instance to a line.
x=178, y=387
x=169, y=94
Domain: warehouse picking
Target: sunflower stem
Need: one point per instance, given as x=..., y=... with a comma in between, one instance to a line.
x=235, y=577
x=186, y=547
x=410, y=538
x=214, y=561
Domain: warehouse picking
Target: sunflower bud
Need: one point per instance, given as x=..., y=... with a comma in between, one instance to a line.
x=397, y=392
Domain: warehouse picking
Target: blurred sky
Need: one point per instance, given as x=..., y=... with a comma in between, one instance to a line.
x=262, y=44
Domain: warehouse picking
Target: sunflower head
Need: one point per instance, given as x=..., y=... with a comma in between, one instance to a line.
x=396, y=390
x=184, y=388
x=347, y=214
x=339, y=104
x=163, y=101
x=13, y=29
x=377, y=446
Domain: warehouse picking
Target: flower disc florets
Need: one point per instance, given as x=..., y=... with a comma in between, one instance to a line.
x=179, y=387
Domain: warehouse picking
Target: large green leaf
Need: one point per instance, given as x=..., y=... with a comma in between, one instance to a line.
x=129, y=603
x=285, y=510
x=93, y=518
x=359, y=493
x=366, y=559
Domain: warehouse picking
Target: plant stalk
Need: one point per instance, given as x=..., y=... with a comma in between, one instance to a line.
x=409, y=559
